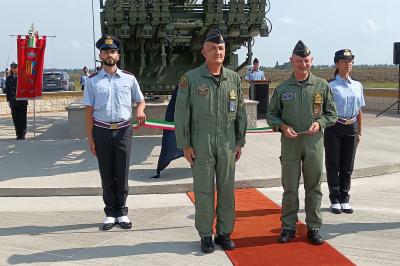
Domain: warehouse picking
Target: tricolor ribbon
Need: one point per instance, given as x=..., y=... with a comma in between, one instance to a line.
x=165, y=125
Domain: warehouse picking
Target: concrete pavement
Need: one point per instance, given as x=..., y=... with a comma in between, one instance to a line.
x=61, y=230
x=55, y=165
x=64, y=230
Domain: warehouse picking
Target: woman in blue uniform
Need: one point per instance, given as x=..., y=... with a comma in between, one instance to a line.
x=341, y=139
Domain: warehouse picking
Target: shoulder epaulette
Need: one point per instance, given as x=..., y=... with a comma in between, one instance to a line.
x=94, y=74
x=355, y=79
x=330, y=80
x=126, y=72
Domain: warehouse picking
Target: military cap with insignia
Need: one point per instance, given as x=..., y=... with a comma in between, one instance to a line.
x=344, y=54
x=255, y=61
x=215, y=36
x=301, y=49
x=13, y=64
x=108, y=42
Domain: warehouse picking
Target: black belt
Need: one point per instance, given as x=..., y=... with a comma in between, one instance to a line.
x=347, y=121
x=113, y=125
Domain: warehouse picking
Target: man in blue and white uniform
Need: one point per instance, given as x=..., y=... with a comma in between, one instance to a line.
x=255, y=73
x=108, y=97
x=84, y=77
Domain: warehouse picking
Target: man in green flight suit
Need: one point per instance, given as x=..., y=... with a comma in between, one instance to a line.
x=300, y=108
x=210, y=122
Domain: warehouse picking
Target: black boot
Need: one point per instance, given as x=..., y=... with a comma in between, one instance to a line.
x=207, y=245
x=225, y=242
x=286, y=235
x=315, y=237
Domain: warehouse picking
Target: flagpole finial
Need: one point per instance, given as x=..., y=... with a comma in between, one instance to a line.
x=32, y=36
x=31, y=31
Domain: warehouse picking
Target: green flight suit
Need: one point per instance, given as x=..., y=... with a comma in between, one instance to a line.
x=298, y=105
x=211, y=119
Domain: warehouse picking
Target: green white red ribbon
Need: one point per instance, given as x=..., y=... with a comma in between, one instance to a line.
x=165, y=125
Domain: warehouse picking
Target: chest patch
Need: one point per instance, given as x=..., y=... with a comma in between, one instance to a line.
x=317, y=104
x=232, y=95
x=202, y=90
x=287, y=96
x=318, y=98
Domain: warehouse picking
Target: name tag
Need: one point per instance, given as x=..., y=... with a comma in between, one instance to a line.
x=287, y=96
x=232, y=105
x=232, y=100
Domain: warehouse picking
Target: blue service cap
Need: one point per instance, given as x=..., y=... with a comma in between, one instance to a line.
x=344, y=54
x=215, y=36
x=108, y=42
x=301, y=49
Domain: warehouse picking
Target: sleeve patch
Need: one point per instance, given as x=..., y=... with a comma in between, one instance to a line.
x=126, y=72
x=183, y=83
x=94, y=74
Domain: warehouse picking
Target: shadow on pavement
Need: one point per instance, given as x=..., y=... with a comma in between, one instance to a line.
x=43, y=230
x=39, y=230
x=144, y=175
x=47, y=128
x=66, y=156
x=79, y=254
x=330, y=231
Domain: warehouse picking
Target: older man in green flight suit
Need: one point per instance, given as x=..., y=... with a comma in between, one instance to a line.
x=300, y=108
x=210, y=121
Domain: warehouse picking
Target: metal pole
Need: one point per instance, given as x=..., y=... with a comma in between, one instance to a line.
x=94, y=38
x=34, y=119
x=47, y=36
x=398, y=94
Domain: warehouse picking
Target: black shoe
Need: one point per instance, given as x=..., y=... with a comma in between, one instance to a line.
x=336, y=208
x=225, y=242
x=315, y=237
x=107, y=226
x=336, y=211
x=124, y=222
x=286, y=235
x=125, y=225
x=348, y=211
x=347, y=208
x=207, y=245
x=108, y=223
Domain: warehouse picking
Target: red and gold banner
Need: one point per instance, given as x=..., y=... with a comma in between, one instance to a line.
x=30, y=67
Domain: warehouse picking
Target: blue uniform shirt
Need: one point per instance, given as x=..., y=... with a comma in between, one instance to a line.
x=112, y=96
x=254, y=75
x=2, y=83
x=348, y=96
x=83, y=79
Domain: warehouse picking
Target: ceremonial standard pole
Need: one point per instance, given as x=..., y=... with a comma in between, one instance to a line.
x=94, y=38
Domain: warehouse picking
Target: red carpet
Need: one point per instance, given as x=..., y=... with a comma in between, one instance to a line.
x=256, y=233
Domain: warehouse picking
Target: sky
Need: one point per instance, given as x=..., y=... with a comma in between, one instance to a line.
x=367, y=27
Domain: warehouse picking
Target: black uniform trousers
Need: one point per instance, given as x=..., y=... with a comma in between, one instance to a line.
x=113, y=149
x=340, y=149
x=18, y=113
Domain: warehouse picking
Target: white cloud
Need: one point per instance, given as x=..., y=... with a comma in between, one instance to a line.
x=287, y=21
x=74, y=43
x=369, y=26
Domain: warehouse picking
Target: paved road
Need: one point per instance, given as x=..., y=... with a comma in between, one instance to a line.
x=64, y=230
